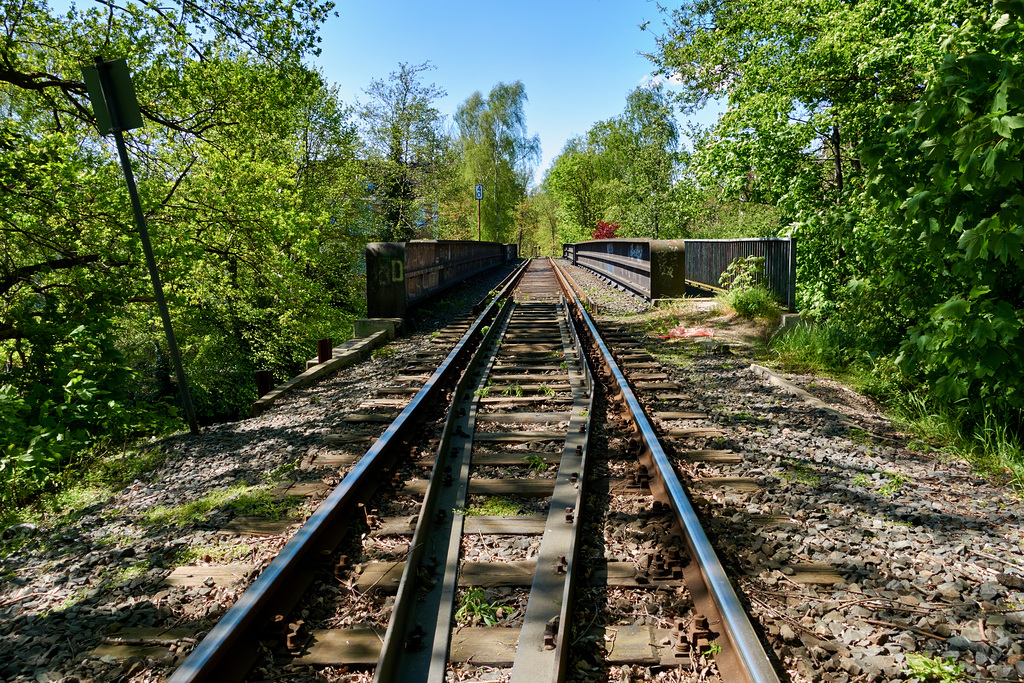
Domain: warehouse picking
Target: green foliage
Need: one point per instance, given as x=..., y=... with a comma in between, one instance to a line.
x=497, y=152
x=832, y=345
x=623, y=171
x=474, y=608
x=73, y=397
x=494, y=507
x=238, y=499
x=715, y=219
x=891, y=142
x=240, y=165
x=535, y=462
x=959, y=218
x=216, y=552
x=892, y=484
x=744, y=293
x=410, y=156
x=743, y=273
x=937, y=669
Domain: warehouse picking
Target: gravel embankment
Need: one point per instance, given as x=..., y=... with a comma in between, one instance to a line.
x=928, y=555
x=69, y=589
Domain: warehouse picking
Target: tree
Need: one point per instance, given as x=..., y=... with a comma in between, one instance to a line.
x=888, y=136
x=236, y=228
x=637, y=159
x=405, y=144
x=498, y=152
x=950, y=181
x=573, y=182
x=807, y=87
x=626, y=170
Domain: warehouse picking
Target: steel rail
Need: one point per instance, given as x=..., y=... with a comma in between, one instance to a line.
x=564, y=631
x=429, y=610
x=397, y=661
x=228, y=651
x=752, y=657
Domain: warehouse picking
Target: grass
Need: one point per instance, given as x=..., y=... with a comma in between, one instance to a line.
x=829, y=347
x=282, y=470
x=212, y=553
x=132, y=571
x=990, y=446
x=474, y=608
x=240, y=499
x=952, y=431
x=535, y=462
x=799, y=472
x=78, y=491
x=384, y=352
x=494, y=507
x=889, y=484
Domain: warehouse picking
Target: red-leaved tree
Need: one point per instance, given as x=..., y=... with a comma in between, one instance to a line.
x=605, y=231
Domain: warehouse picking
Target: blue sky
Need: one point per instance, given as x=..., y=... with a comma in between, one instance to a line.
x=577, y=58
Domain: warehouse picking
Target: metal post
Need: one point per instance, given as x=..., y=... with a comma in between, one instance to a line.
x=264, y=382
x=147, y=248
x=478, y=231
x=324, y=350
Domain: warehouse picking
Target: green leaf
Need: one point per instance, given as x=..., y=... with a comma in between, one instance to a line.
x=951, y=388
x=979, y=291
x=952, y=309
x=972, y=242
x=1000, y=127
x=1013, y=122
x=913, y=204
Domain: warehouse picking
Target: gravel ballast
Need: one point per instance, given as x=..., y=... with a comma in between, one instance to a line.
x=929, y=555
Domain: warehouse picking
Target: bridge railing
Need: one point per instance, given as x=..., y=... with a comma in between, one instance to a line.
x=706, y=260
x=661, y=269
x=652, y=269
x=400, y=274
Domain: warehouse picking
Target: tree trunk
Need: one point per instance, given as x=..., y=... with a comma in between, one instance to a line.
x=838, y=158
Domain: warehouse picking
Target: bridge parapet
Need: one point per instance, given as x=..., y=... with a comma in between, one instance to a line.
x=400, y=274
x=661, y=269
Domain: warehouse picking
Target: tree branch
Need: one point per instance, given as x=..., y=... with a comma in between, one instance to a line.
x=24, y=272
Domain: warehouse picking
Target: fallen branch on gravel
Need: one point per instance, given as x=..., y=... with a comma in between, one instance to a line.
x=906, y=627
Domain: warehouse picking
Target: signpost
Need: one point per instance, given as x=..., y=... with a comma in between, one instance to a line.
x=113, y=101
x=479, y=196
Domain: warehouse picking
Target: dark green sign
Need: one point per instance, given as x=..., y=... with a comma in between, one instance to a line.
x=112, y=88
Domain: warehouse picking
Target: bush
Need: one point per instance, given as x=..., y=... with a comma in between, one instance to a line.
x=752, y=302
x=73, y=397
x=745, y=294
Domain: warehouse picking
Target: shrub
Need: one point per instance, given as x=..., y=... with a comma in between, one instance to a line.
x=744, y=292
x=753, y=302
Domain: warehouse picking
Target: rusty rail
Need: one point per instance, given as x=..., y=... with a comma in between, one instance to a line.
x=227, y=653
x=751, y=660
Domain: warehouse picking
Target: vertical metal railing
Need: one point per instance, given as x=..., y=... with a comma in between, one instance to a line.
x=706, y=260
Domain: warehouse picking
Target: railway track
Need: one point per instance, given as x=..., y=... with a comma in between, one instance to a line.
x=470, y=534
